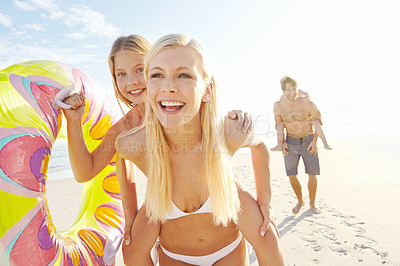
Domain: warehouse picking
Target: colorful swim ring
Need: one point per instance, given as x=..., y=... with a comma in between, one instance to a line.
x=29, y=126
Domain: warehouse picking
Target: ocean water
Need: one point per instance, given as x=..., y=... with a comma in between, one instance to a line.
x=338, y=122
x=361, y=119
x=59, y=166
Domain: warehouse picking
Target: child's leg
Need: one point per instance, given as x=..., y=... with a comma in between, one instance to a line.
x=279, y=135
x=143, y=235
x=268, y=248
x=320, y=133
x=302, y=93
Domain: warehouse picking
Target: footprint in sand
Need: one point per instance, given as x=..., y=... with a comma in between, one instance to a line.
x=310, y=243
x=339, y=251
x=357, y=237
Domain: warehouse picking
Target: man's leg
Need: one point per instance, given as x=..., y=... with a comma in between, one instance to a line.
x=312, y=190
x=294, y=182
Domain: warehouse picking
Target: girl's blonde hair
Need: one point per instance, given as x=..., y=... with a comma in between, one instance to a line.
x=133, y=43
x=215, y=157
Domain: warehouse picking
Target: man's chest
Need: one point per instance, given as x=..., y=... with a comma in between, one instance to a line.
x=294, y=114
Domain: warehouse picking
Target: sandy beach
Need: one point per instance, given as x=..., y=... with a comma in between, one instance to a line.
x=358, y=193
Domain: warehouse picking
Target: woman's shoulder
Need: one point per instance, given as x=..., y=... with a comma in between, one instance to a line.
x=126, y=122
x=131, y=143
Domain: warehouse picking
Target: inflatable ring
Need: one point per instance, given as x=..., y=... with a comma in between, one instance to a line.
x=29, y=125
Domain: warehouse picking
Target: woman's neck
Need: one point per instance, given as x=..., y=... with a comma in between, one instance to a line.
x=185, y=138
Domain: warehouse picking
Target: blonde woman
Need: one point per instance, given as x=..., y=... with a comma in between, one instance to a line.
x=126, y=63
x=193, y=204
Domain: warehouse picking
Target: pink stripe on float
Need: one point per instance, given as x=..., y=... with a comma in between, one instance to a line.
x=20, y=191
x=13, y=232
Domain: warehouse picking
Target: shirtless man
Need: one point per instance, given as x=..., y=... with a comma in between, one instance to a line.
x=298, y=114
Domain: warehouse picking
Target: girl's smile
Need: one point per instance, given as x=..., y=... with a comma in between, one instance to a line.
x=129, y=75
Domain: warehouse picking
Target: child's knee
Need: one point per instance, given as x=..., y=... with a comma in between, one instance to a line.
x=268, y=242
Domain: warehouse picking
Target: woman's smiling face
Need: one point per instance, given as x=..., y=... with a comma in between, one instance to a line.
x=176, y=86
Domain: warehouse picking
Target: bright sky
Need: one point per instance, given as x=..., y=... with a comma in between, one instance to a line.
x=340, y=51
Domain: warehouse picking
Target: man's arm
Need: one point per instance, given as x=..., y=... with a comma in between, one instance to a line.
x=277, y=114
x=279, y=124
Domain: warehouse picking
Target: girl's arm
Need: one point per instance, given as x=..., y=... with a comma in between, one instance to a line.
x=267, y=246
x=85, y=164
x=144, y=235
x=257, y=213
x=260, y=157
x=129, y=148
x=127, y=184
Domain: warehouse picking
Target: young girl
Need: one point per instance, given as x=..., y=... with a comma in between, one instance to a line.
x=126, y=63
x=281, y=126
x=193, y=204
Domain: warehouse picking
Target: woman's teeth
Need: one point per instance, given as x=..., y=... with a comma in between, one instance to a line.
x=171, y=106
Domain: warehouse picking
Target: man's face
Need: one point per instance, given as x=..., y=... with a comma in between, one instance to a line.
x=290, y=92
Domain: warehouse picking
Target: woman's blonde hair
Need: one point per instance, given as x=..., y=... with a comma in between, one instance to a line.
x=133, y=43
x=215, y=157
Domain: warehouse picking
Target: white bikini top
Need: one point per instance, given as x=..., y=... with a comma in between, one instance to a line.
x=176, y=213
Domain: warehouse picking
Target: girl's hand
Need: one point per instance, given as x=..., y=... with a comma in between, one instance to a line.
x=78, y=103
x=127, y=230
x=244, y=120
x=266, y=212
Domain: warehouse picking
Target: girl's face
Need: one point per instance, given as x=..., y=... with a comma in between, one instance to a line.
x=176, y=87
x=128, y=70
